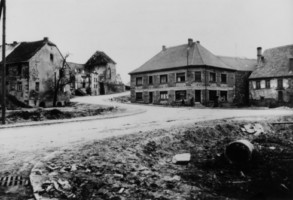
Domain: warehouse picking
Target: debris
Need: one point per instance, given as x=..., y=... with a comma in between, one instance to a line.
x=239, y=151
x=121, y=190
x=255, y=129
x=272, y=148
x=64, y=184
x=73, y=167
x=181, y=158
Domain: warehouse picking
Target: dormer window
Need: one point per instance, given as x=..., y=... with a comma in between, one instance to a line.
x=52, y=57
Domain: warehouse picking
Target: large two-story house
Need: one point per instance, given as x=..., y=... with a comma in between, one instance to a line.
x=190, y=73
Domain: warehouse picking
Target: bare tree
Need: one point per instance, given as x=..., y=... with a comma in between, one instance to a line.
x=62, y=79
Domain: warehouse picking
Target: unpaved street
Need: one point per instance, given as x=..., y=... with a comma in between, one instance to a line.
x=22, y=147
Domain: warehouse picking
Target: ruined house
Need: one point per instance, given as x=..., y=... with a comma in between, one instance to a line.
x=97, y=76
x=190, y=73
x=33, y=68
x=271, y=84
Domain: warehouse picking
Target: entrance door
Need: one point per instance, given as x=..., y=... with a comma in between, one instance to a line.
x=197, y=95
x=151, y=97
x=280, y=96
x=102, y=88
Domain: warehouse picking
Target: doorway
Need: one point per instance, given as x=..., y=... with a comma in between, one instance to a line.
x=198, y=96
x=151, y=97
x=280, y=96
x=102, y=88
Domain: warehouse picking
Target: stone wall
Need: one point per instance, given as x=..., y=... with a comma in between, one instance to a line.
x=189, y=85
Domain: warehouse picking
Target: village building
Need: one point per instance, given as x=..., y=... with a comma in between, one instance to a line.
x=32, y=71
x=271, y=84
x=190, y=73
x=97, y=76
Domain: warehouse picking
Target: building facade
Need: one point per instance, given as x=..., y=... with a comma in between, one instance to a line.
x=97, y=76
x=271, y=84
x=32, y=72
x=186, y=74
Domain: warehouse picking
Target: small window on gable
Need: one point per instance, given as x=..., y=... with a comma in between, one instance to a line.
x=37, y=86
x=51, y=57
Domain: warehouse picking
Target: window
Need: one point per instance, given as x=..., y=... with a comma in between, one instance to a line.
x=19, y=86
x=150, y=80
x=197, y=76
x=268, y=84
x=212, y=77
x=138, y=96
x=223, y=95
x=164, y=95
x=180, y=77
x=109, y=73
x=37, y=86
x=19, y=69
x=139, y=81
x=51, y=57
x=223, y=78
x=257, y=84
x=280, y=83
x=179, y=95
x=163, y=78
x=12, y=86
x=213, y=95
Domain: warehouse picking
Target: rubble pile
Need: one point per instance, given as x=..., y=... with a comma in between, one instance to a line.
x=51, y=114
x=182, y=163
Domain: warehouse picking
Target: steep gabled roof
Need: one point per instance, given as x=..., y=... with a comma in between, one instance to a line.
x=26, y=50
x=174, y=57
x=9, y=48
x=99, y=58
x=276, y=63
x=240, y=64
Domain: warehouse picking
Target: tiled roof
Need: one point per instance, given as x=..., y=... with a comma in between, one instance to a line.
x=174, y=57
x=99, y=58
x=240, y=64
x=9, y=49
x=276, y=63
x=26, y=50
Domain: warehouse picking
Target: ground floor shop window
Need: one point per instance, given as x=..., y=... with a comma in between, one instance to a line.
x=164, y=95
x=223, y=95
x=138, y=96
x=179, y=95
x=213, y=95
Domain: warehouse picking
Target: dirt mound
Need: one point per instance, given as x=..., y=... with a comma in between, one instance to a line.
x=57, y=114
x=140, y=166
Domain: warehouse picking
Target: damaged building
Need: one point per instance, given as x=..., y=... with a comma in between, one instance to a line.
x=271, y=84
x=97, y=76
x=33, y=69
x=190, y=73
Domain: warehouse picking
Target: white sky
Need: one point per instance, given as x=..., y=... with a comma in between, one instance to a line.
x=132, y=31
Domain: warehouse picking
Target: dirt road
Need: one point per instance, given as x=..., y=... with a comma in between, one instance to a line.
x=21, y=147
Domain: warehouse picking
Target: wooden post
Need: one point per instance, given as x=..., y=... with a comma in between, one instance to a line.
x=3, y=62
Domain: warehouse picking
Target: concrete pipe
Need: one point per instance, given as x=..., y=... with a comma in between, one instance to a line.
x=239, y=151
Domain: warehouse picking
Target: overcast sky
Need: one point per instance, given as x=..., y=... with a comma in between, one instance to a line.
x=132, y=31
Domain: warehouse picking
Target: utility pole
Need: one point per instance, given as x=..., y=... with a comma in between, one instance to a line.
x=3, y=8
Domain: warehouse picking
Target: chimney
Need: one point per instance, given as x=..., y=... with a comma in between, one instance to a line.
x=164, y=48
x=190, y=41
x=46, y=39
x=259, y=55
x=14, y=43
x=198, y=42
